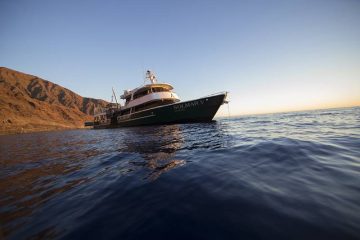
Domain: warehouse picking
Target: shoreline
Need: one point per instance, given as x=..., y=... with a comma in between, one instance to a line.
x=17, y=131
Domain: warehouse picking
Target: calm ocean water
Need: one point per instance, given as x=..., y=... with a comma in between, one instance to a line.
x=278, y=176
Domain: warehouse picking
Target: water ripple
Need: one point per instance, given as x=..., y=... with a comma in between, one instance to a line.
x=290, y=175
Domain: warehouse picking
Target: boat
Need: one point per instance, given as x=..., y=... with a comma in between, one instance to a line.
x=156, y=103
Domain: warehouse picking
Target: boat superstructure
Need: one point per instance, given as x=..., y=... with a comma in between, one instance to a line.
x=150, y=95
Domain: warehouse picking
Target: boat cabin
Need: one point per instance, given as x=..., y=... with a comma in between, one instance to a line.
x=147, y=96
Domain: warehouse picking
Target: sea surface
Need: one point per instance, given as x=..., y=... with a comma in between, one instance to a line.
x=277, y=176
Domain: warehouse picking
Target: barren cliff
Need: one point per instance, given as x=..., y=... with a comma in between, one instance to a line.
x=29, y=103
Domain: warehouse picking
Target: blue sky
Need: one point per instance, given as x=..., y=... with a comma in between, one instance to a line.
x=271, y=55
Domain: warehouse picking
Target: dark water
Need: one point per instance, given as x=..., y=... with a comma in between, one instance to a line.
x=280, y=176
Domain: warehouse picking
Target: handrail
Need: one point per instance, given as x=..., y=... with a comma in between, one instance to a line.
x=223, y=92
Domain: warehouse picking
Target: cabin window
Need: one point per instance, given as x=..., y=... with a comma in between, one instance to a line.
x=158, y=89
x=151, y=105
x=141, y=94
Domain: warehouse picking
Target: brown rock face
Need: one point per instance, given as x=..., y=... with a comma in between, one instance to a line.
x=29, y=103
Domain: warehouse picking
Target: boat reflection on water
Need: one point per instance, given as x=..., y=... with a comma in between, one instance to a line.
x=39, y=170
x=157, y=146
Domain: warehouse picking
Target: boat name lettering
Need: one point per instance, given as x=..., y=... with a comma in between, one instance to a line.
x=183, y=106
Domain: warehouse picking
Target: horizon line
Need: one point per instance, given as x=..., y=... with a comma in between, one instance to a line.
x=291, y=111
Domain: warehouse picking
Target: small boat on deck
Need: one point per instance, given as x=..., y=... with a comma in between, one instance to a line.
x=156, y=103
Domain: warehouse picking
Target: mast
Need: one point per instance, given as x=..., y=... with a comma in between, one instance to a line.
x=117, y=105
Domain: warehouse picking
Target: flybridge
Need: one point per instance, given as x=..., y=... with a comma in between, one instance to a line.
x=153, y=87
x=156, y=87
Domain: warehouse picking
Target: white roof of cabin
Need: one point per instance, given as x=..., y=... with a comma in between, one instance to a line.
x=147, y=86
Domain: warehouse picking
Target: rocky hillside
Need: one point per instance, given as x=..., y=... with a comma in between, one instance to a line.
x=29, y=103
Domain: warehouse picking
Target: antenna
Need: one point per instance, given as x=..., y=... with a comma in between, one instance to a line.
x=151, y=77
x=117, y=105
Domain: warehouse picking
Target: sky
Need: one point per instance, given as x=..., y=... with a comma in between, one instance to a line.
x=271, y=56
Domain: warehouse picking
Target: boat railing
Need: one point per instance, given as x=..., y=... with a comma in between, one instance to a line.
x=123, y=117
x=218, y=93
